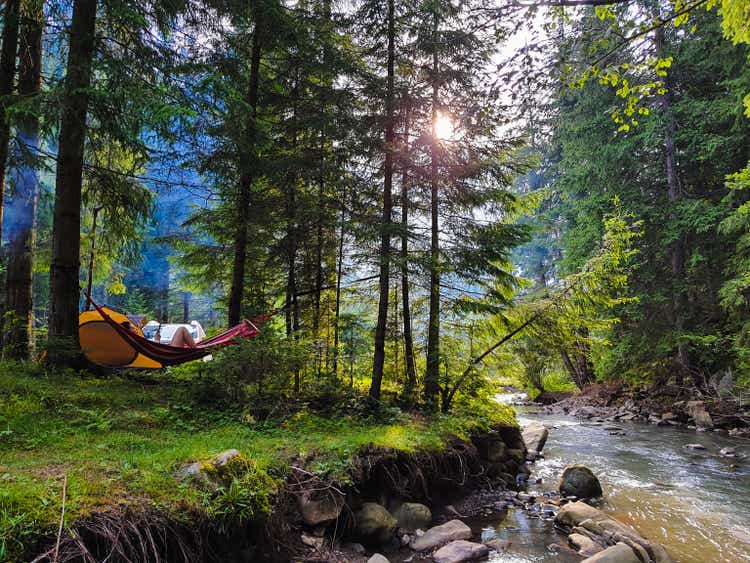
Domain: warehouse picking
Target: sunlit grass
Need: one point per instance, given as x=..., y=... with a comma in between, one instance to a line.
x=119, y=441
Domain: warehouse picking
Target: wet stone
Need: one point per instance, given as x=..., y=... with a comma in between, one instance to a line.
x=698, y=447
x=460, y=550
x=439, y=535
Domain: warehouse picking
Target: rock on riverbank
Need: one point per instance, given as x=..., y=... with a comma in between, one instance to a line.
x=535, y=436
x=665, y=406
x=615, y=541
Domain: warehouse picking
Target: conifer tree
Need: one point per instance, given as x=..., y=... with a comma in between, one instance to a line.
x=7, y=77
x=18, y=333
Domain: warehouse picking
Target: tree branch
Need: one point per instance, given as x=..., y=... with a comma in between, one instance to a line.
x=560, y=3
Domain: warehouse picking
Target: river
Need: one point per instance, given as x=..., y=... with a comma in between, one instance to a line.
x=695, y=503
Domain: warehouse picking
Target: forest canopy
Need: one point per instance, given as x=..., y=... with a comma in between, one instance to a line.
x=427, y=197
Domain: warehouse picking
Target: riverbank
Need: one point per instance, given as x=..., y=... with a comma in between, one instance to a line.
x=665, y=406
x=123, y=454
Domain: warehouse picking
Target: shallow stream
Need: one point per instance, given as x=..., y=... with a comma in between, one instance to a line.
x=696, y=503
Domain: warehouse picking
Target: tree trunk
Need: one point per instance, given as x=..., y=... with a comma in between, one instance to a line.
x=292, y=305
x=432, y=373
x=18, y=338
x=339, y=274
x=396, y=335
x=674, y=190
x=7, y=72
x=385, y=233
x=66, y=223
x=246, y=181
x=186, y=306
x=578, y=366
x=319, y=243
x=411, y=370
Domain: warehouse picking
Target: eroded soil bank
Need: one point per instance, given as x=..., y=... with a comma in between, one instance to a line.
x=310, y=519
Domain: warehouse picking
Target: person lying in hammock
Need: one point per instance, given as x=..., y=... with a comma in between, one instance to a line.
x=181, y=338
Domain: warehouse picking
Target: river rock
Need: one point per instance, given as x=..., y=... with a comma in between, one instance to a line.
x=535, y=436
x=532, y=455
x=585, y=412
x=579, y=481
x=319, y=507
x=439, y=535
x=697, y=410
x=573, y=513
x=498, y=544
x=460, y=550
x=618, y=553
x=413, y=516
x=375, y=525
x=377, y=558
x=728, y=452
x=584, y=545
x=695, y=447
x=582, y=518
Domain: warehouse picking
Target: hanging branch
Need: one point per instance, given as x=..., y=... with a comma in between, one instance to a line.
x=528, y=322
x=608, y=261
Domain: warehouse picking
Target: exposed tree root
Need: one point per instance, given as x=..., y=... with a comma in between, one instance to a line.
x=128, y=536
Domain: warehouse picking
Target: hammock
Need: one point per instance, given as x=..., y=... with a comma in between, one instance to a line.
x=166, y=355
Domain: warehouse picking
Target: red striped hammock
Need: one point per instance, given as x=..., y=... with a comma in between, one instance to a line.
x=174, y=355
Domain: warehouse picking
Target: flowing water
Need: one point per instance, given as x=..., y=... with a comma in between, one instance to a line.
x=695, y=503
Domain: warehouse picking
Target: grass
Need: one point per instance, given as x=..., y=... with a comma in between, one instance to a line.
x=119, y=442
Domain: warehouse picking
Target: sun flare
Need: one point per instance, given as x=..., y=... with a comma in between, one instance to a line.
x=443, y=127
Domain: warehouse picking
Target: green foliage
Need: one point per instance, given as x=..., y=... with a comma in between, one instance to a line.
x=587, y=163
x=579, y=313
x=735, y=289
x=735, y=16
x=17, y=529
x=260, y=369
x=245, y=496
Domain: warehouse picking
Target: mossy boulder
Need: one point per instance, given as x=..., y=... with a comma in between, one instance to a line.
x=320, y=507
x=375, y=525
x=413, y=516
x=215, y=472
x=580, y=482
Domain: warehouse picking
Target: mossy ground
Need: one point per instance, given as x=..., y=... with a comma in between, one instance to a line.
x=119, y=441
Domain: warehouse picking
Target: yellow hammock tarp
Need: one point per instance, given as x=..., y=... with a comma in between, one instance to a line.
x=103, y=346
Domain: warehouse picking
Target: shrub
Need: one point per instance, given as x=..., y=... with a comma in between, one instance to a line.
x=260, y=370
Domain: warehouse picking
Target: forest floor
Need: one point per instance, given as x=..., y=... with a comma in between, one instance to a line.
x=115, y=441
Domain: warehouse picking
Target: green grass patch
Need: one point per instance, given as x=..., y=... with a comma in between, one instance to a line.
x=119, y=441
